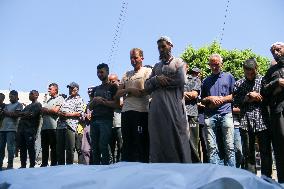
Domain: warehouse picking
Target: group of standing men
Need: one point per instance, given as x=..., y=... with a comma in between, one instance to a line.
x=158, y=108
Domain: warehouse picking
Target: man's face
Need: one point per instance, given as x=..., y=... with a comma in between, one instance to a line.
x=215, y=65
x=33, y=96
x=52, y=90
x=13, y=98
x=136, y=59
x=73, y=91
x=164, y=50
x=250, y=74
x=113, y=79
x=277, y=51
x=102, y=74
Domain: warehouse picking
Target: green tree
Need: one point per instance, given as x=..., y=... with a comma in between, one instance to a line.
x=232, y=59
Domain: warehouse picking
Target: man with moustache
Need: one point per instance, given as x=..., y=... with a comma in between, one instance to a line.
x=134, y=118
x=168, y=127
x=273, y=93
x=102, y=105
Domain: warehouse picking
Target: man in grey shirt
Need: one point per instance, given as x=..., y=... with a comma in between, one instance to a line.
x=48, y=131
x=9, y=128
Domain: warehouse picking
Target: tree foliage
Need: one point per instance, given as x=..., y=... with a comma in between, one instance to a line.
x=232, y=59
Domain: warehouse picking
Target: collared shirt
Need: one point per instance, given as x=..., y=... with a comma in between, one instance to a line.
x=254, y=115
x=192, y=84
x=50, y=121
x=221, y=84
x=33, y=121
x=11, y=123
x=71, y=105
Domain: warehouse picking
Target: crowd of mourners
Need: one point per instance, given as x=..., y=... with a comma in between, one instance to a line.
x=166, y=113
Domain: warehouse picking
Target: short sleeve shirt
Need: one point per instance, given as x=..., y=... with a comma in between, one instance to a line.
x=71, y=105
x=132, y=79
x=50, y=121
x=221, y=84
x=9, y=123
x=31, y=122
x=106, y=91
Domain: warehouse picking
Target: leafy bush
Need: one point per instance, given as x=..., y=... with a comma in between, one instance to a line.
x=232, y=59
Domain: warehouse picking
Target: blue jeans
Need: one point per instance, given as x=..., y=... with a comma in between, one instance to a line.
x=220, y=138
x=101, y=132
x=8, y=137
x=238, y=147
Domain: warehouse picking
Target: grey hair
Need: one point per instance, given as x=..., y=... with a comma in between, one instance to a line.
x=277, y=43
x=215, y=55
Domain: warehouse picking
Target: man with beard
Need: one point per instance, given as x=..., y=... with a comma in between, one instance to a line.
x=134, y=118
x=168, y=127
x=102, y=105
x=273, y=93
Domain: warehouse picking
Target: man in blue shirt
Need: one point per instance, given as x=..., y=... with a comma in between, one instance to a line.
x=216, y=94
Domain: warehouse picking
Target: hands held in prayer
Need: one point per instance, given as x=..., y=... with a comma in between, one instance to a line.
x=214, y=101
x=134, y=92
x=253, y=97
x=163, y=80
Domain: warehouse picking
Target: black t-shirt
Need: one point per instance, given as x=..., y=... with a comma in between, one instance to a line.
x=31, y=122
x=106, y=91
x=2, y=106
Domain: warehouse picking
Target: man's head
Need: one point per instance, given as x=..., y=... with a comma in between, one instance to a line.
x=136, y=58
x=277, y=50
x=2, y=98
x=103, y=71
x=33, y=95
x=91, y=92
x=195, y=72
x=113, y=78
x=250, y=69
x=215, y=63
x=165, y=46
x=73, y=89
x=13, y=96
x=53, y=89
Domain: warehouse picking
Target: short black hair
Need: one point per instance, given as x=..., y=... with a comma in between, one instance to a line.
x=34, y=92
x=103, y=65
x=54, y=85
x=2, y=96
x=14, y=92
x=250, y=64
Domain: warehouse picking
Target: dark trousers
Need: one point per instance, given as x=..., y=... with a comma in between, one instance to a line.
x=8, y=137
x=116, y=144
x=100, y=141
x=203, y=144
x=27, y=137
x=194, y=138
x=277, y=128
x=78, y=147
x=248, y=147
x=48, y=140
x=65, y=139
x=134, y=127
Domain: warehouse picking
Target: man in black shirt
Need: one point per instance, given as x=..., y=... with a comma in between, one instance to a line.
x=102, y=105
x=273, y=93
x=27, y=130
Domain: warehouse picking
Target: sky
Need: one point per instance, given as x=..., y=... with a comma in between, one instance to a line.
x=64, y=40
